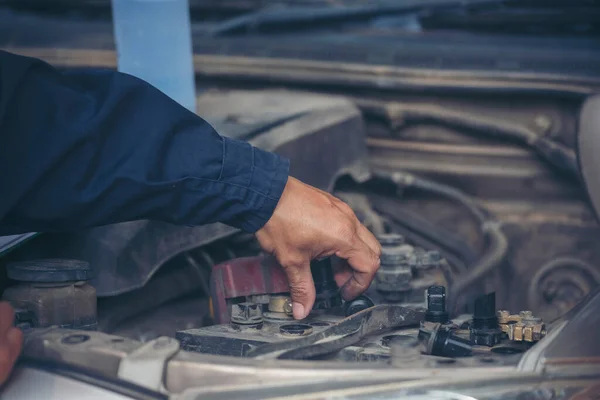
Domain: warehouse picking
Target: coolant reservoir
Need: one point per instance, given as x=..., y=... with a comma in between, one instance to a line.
x=52, y=293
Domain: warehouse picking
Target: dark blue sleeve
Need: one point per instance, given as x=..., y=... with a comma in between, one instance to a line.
x=94, y=148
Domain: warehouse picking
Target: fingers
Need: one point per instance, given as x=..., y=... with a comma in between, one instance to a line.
x=302, y=287
x=370, y=240
x=11, y=341
x=362, y=254
x=363, y=259
x=15, y=341
x=341, y=271
x=7, y=316
x=309, y=223
x=10, y=347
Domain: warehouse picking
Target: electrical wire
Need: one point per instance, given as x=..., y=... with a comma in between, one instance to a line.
x=426, y=234
x=496, y=242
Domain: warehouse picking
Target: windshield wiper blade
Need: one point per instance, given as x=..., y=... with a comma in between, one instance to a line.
x=270, y=18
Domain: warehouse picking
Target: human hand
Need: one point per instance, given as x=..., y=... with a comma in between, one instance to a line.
x=11, y=340
x=308, y=224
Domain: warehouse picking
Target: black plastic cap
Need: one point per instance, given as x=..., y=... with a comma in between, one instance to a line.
x=436, y=305
x=322, y=274
x=484, y=315
x=447, y=344
x=49, y=271
x=485, y=306
x=357, y=305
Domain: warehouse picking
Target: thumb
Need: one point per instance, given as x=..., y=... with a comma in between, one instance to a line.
x=302, y=289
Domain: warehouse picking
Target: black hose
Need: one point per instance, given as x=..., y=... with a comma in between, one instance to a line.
x=426, y=234
x=398, y=114
x=406, y=180
x=493, y=256
x=496, y=242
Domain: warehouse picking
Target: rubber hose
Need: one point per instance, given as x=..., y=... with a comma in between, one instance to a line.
x=497, y=243
x=399, y=114
x=494, y=255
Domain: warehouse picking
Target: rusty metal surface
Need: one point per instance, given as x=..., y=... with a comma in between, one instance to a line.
x=488, y=170
x=204, y=374
x=345, y=333
x=521, y=327
x=70, y=305
x=547, y=216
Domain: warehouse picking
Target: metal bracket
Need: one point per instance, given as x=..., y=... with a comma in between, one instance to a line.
x=145, y=366
x=345, y=333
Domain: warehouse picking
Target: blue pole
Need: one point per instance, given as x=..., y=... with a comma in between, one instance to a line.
x=153, y=40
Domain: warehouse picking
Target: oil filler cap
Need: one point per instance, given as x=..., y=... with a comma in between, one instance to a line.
x=49, y=271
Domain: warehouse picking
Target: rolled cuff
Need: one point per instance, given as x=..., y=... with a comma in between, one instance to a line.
x=261, y=176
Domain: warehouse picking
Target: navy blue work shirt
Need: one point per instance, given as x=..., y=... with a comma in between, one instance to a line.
x=85, y=149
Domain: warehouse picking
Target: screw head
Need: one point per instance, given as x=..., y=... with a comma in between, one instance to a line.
x=543, y=123
x=526, y=314
x=288, y=307
x=246, y=313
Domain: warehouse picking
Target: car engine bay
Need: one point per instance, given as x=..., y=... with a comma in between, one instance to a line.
x=480, y=184
x=436, y=302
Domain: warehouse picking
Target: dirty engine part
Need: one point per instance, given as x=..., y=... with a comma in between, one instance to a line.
x=255, y=310
x=52, y=293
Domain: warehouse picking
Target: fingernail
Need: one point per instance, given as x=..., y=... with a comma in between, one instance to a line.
x=298, y=311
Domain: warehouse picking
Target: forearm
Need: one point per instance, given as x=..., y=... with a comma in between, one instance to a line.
x=98, y=148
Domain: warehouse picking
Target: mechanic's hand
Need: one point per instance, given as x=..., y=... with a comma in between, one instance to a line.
x=11, y=340
x=308, y=224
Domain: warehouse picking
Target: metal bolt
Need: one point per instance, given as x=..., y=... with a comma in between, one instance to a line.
x=503, y=316
x=526, y=314
x=287, y=307
x=390, y=239
x=393, y=256
x=277, y=303
x=543, y=123
x=428, y=259
x=246, y=314
x=260, y=298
